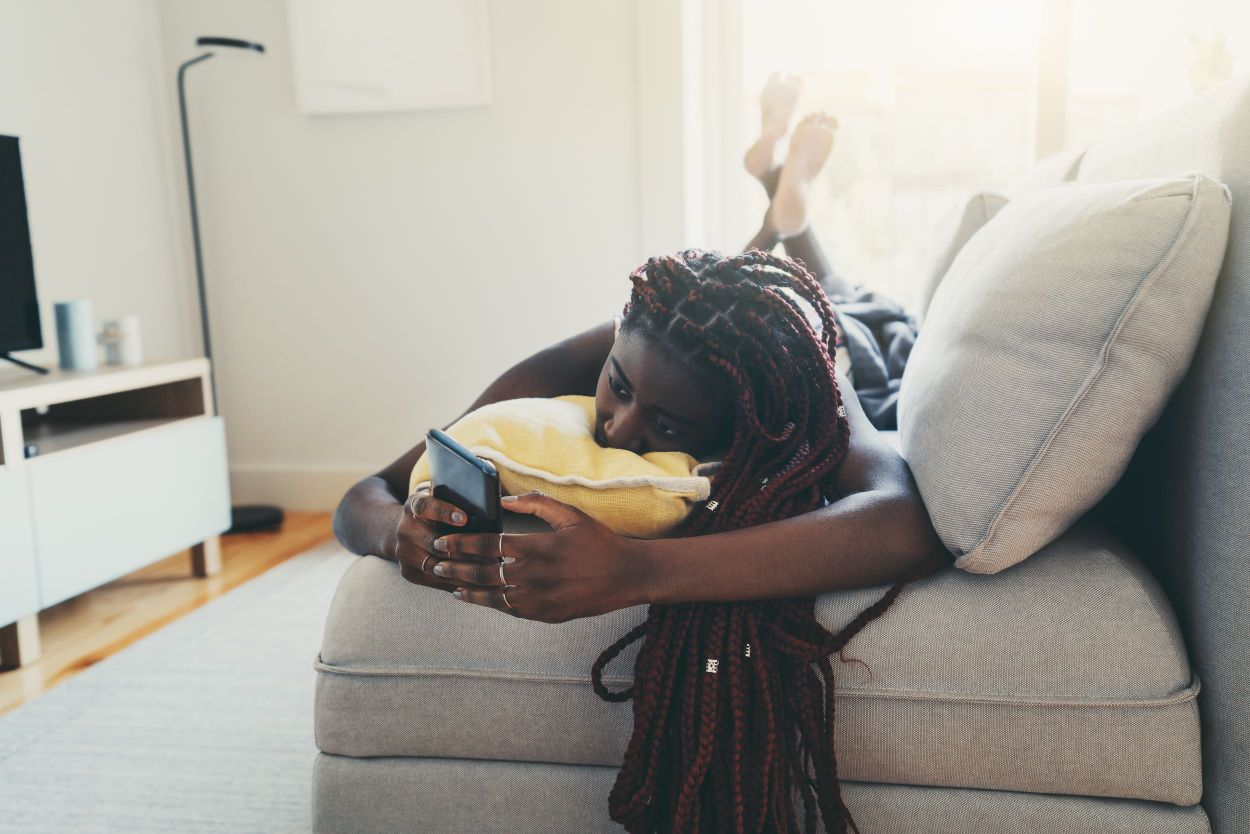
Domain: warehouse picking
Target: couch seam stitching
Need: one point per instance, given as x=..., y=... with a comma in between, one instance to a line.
x=1189, y=693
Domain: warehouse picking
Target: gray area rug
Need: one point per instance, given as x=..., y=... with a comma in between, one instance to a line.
x=205, y=725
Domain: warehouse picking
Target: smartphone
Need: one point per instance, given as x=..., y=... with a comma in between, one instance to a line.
x=462, y=478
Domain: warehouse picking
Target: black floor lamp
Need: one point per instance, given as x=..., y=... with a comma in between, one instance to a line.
x=249, y=517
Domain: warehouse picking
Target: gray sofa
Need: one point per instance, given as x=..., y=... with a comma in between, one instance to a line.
x=1100, y=686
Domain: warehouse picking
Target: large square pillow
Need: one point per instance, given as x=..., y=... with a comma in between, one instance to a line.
x=1049, y=349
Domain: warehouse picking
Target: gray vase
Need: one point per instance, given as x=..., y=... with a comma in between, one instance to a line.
x=75, y=335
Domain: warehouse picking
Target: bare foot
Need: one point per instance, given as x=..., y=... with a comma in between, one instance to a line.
x=776, y=108
x=809, y=148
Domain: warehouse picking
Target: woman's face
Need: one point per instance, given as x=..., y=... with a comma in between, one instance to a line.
x=647, y=402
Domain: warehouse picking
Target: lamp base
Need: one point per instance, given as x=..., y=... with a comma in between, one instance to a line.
x=254, y=518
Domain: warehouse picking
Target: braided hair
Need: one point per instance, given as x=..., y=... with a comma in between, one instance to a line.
x=730, y=718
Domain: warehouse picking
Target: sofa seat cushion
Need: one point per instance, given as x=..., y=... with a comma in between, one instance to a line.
x=1065, y=674
x=375, y=796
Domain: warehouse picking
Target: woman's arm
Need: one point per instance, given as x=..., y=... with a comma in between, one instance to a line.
x=371, y=517
x=878, y=533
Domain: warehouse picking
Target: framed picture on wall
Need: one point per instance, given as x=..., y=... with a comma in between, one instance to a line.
x=386, y=56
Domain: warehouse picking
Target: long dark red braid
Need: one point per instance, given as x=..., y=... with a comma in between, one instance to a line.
x=728, y=750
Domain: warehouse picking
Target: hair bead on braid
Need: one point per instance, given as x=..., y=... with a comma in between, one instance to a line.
x=731, y=719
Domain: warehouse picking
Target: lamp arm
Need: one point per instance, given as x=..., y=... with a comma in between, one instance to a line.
x=195, y=221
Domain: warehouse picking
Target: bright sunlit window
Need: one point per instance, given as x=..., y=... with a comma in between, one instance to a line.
x=937, y=101
x=1120, y=73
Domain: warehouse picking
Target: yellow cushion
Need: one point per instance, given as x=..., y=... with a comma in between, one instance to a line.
x=549, y=445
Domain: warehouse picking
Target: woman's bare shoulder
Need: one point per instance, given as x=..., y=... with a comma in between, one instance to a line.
x=871, y=463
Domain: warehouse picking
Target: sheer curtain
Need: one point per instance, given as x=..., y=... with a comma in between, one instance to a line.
x=937, y=101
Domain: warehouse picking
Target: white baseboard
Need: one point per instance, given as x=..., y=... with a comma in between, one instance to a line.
x=293, y=486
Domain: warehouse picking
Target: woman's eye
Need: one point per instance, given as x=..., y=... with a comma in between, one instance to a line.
x=617, y=388
x=667, y=429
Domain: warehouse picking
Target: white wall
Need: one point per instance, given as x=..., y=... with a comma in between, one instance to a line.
x=371, y=274
x=368, y=275
x=85, y=86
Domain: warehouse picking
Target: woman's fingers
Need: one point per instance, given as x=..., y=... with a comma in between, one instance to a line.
x=414, y=547
x=476, y=573
x=580, y=569
x=491, y=598
x=413, y=574
x=481, y=547
x=423, y=504
x=414, y=538
x=556, y=513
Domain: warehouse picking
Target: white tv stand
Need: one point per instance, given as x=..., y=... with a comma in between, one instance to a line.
x=128, y=466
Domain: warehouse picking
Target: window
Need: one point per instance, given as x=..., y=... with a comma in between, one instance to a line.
x=937, y=101
x=1168, y=52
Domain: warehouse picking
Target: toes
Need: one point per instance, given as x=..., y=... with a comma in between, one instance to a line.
x=777, y=101
x=818, y=121
x=783, y=79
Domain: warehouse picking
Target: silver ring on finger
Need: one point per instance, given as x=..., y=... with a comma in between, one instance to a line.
x=504, y=594
x=501, y=545
x=423, y=561
x=502, y=581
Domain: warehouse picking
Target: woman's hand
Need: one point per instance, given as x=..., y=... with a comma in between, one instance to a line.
x=415, y=534
x=580, y=569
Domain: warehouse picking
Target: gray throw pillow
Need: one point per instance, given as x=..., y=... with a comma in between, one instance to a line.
x=952, y=234
x=1049, y=349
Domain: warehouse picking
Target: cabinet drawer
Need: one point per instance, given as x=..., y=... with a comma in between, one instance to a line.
x=103, y=510
x=19, y=593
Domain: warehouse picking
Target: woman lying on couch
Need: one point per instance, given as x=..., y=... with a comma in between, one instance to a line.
x=746, y=567
x=729, y=358
x=880, y=515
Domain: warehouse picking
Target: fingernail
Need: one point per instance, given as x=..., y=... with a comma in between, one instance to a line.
x=507, y=499
x=440, y=569
x=457, y=518
x=440, y=544
x=458, y=593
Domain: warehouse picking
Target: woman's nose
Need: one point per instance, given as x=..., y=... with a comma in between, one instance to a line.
x=623, y=430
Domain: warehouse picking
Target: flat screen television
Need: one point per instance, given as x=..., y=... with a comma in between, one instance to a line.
x=19, y=308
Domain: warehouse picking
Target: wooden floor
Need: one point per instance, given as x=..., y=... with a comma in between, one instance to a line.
x=88, y=628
